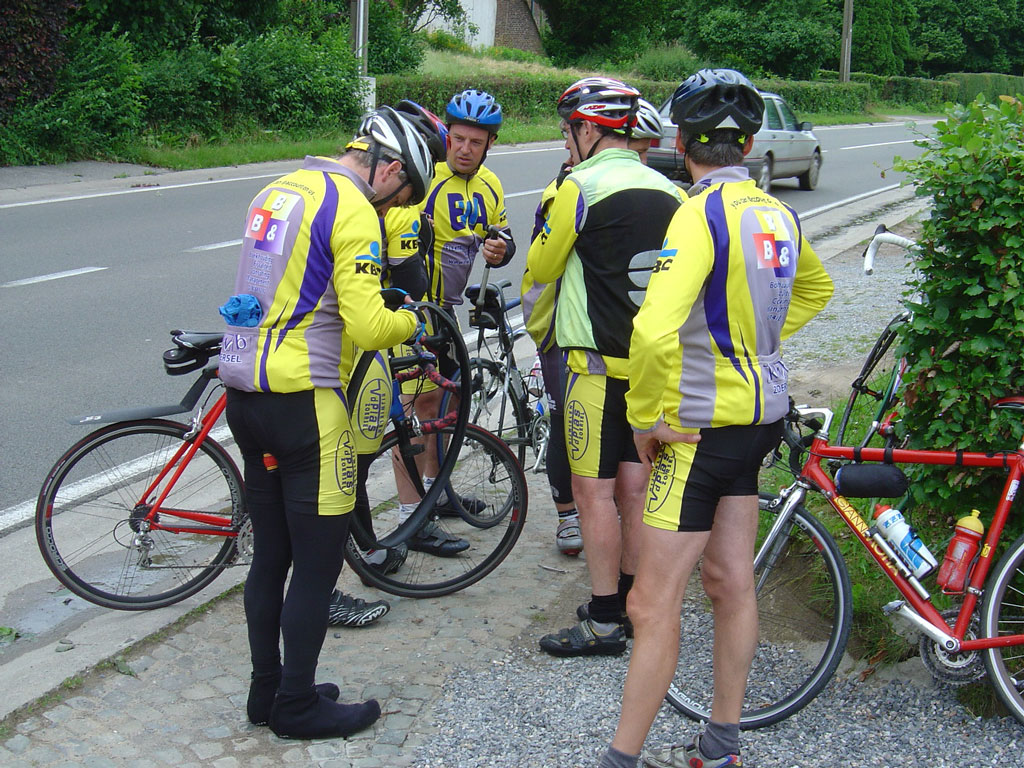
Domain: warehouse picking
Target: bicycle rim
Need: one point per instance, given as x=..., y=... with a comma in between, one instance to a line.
x=495, y=406
x=1003, y=614
x=804, y=612
x=880, y=382
x=90, y=517
x=486, y=470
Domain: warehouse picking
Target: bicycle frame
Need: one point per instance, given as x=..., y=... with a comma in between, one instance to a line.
x=216, y=525
x=923, y=615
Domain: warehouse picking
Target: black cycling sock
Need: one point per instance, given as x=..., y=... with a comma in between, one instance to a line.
x=615, y=759
x=604, y=609
x=308, y=715
x=720, y=739
x=625, y=584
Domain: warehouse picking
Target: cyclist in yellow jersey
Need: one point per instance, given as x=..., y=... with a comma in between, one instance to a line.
x=467, y=206
x=600, y=238
x=307, y=293
x=708, y=391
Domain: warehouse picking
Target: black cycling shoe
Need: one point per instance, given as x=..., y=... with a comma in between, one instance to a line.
x=450, y=508
x=583, y=613
x=393, y=560
x=584, y=640
x=435, y=541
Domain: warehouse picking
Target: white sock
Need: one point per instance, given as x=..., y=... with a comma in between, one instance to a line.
x=427, y=483
x=404, y=510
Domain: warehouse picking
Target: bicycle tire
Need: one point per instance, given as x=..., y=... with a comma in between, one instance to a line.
x=495, y=407
x=869, y=402
x=486, y=469
x=1002, y=613
x=90, y=499
x=800, y=645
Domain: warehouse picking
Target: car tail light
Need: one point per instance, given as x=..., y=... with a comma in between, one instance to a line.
x=655, y=142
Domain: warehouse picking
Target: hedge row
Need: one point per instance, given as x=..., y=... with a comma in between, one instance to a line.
x=970, y=84
x=526, y=97
x=907, y=91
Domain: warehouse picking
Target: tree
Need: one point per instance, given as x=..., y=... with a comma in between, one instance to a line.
x=31, y=49
x=969, y=35
x=417, y=14
x=608, y=29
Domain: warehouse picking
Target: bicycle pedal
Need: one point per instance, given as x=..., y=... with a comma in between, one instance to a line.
x=892, y=607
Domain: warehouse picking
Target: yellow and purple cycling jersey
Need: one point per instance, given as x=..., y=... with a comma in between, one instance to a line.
x=734, y=278
x=462, y=210
x=312, y=257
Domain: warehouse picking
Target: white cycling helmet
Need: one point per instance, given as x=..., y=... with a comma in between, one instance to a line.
x=398, y=137
x=648, y=121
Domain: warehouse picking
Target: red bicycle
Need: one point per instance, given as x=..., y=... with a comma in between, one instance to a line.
x=804, y=588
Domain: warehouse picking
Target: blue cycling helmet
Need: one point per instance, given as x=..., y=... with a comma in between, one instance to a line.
x=473, y=107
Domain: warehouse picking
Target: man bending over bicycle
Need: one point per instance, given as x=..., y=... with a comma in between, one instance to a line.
x=466, y=203
x=307, y=293
x=708, y=391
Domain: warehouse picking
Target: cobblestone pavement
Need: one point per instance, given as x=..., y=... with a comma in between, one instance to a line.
x=179, y=699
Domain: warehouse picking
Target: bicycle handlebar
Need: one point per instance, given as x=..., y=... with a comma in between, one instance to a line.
x=882, y=235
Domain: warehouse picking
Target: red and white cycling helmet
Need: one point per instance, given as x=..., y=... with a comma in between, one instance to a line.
x=600, y=100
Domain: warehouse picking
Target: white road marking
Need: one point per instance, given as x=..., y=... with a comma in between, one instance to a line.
x=214, y=246
x=880, y=144
x=53, y=276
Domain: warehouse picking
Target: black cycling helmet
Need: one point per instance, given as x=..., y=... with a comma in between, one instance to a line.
x=431, y=126
x=717, y=98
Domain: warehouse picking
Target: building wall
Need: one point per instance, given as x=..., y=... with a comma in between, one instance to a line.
x=516, y=23
x=504, y=23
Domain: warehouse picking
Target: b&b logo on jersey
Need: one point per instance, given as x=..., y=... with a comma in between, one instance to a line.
x=268, y=226
x=772, y=253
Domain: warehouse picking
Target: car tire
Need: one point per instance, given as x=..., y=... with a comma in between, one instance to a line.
x=809, y=178
x=764, y=180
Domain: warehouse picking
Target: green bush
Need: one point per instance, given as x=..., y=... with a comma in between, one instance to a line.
x=193, y=89
x=666, y=62
x=967, y=333
x=95, y=111
x=818, y=96
x=391, y=48
x=991, y=84
x=440, y=40
x=291, y=81
x=522, y=97
x=31, y=43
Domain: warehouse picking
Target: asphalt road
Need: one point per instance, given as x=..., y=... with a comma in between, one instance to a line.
x=94, y=272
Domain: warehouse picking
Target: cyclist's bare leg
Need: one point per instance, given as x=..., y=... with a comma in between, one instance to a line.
x=630, y=495
x=654, y=604
x=428, y=405
x=602, y=531
x=728, y=576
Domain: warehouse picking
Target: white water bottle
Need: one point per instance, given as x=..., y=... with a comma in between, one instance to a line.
x=904, y=539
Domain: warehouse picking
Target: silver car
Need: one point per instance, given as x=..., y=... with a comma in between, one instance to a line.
x=783, y=147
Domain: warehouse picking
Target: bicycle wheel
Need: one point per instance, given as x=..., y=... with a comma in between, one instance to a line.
x=804, y=612
x=486, y=470
x=495, y=406
x=91, y=523
x=1002, y=613
x=876, y=390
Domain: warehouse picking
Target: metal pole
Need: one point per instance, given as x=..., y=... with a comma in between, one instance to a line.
x=847, y=42
x=359, y=15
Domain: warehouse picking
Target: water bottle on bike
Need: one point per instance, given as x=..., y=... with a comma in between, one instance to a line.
x=966, y=541
x=905, y=541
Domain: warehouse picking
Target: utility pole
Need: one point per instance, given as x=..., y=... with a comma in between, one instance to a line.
x=847, y=42
x=359, y=16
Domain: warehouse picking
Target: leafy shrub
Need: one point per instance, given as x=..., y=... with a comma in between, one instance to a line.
x=804, y=96
x=194, y=88
x=440, y=40
x=31, y=55
x=95, y=110
x=291, y=81
x=966, y=336
x=666, y=62
x=391, y=48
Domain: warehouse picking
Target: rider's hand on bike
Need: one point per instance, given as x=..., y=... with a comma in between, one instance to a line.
x=495, y=245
